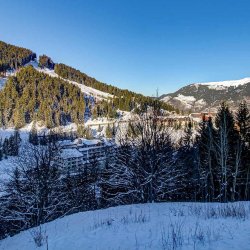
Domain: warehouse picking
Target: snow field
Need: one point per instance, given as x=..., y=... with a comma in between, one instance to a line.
x=144, y=226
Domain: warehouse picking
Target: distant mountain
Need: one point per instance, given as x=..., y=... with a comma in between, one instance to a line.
x=202, y=96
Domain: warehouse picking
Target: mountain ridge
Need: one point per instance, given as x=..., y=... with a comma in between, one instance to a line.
x=208, y=95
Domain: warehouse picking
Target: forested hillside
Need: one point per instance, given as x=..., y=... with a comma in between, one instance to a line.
x=125, y=99
x=12, y=57
x=33, y=95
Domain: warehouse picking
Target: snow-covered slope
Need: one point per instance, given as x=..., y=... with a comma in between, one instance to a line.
x=84, y=89
x=4, y=79
x=148, y=226
x=199, y=96
x=225, y=84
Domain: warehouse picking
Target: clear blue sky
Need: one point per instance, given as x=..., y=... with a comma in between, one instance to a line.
x=139, y=45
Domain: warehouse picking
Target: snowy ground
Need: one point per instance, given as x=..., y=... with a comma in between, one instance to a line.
x=147, y=226
x=2, y=82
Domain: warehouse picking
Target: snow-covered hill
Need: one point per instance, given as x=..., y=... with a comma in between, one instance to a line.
x=147, y=226
x=199, y=96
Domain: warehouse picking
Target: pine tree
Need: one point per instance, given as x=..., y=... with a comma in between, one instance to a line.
x=80, y=130
x=186, y=160
x=109, y=132
x=207, y=162
x=6, y=147
x=99, y=128
x=33, y=137
x=16, y=139
x=88, y=133
x=187, y=138
x=225, y=149
x=243, y=122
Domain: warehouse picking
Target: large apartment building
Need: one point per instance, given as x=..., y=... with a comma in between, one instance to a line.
x=81, y=153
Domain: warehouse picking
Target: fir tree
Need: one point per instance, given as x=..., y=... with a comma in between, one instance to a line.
x=225, y=149
x=80, y=130
x=109, y=132
x=243, y=122
x=33, y=137
x=16, y=143
x=88, y=133
x=6, y=147
x=207, y=163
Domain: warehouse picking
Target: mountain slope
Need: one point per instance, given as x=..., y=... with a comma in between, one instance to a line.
x=32, y=95
x=12, y=57
x=200, y=96
x=110, y=98
x=124, y=98
x=84, y=89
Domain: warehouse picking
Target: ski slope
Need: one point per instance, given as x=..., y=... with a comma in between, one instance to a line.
x=144, y=226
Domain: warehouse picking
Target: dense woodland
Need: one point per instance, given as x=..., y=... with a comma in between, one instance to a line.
x=12, y=57
x=31, y=95
x=212, y=165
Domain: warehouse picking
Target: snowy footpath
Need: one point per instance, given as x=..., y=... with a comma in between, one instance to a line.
x=144, y=226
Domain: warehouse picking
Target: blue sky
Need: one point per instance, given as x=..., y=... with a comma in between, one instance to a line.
x=139, y=45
